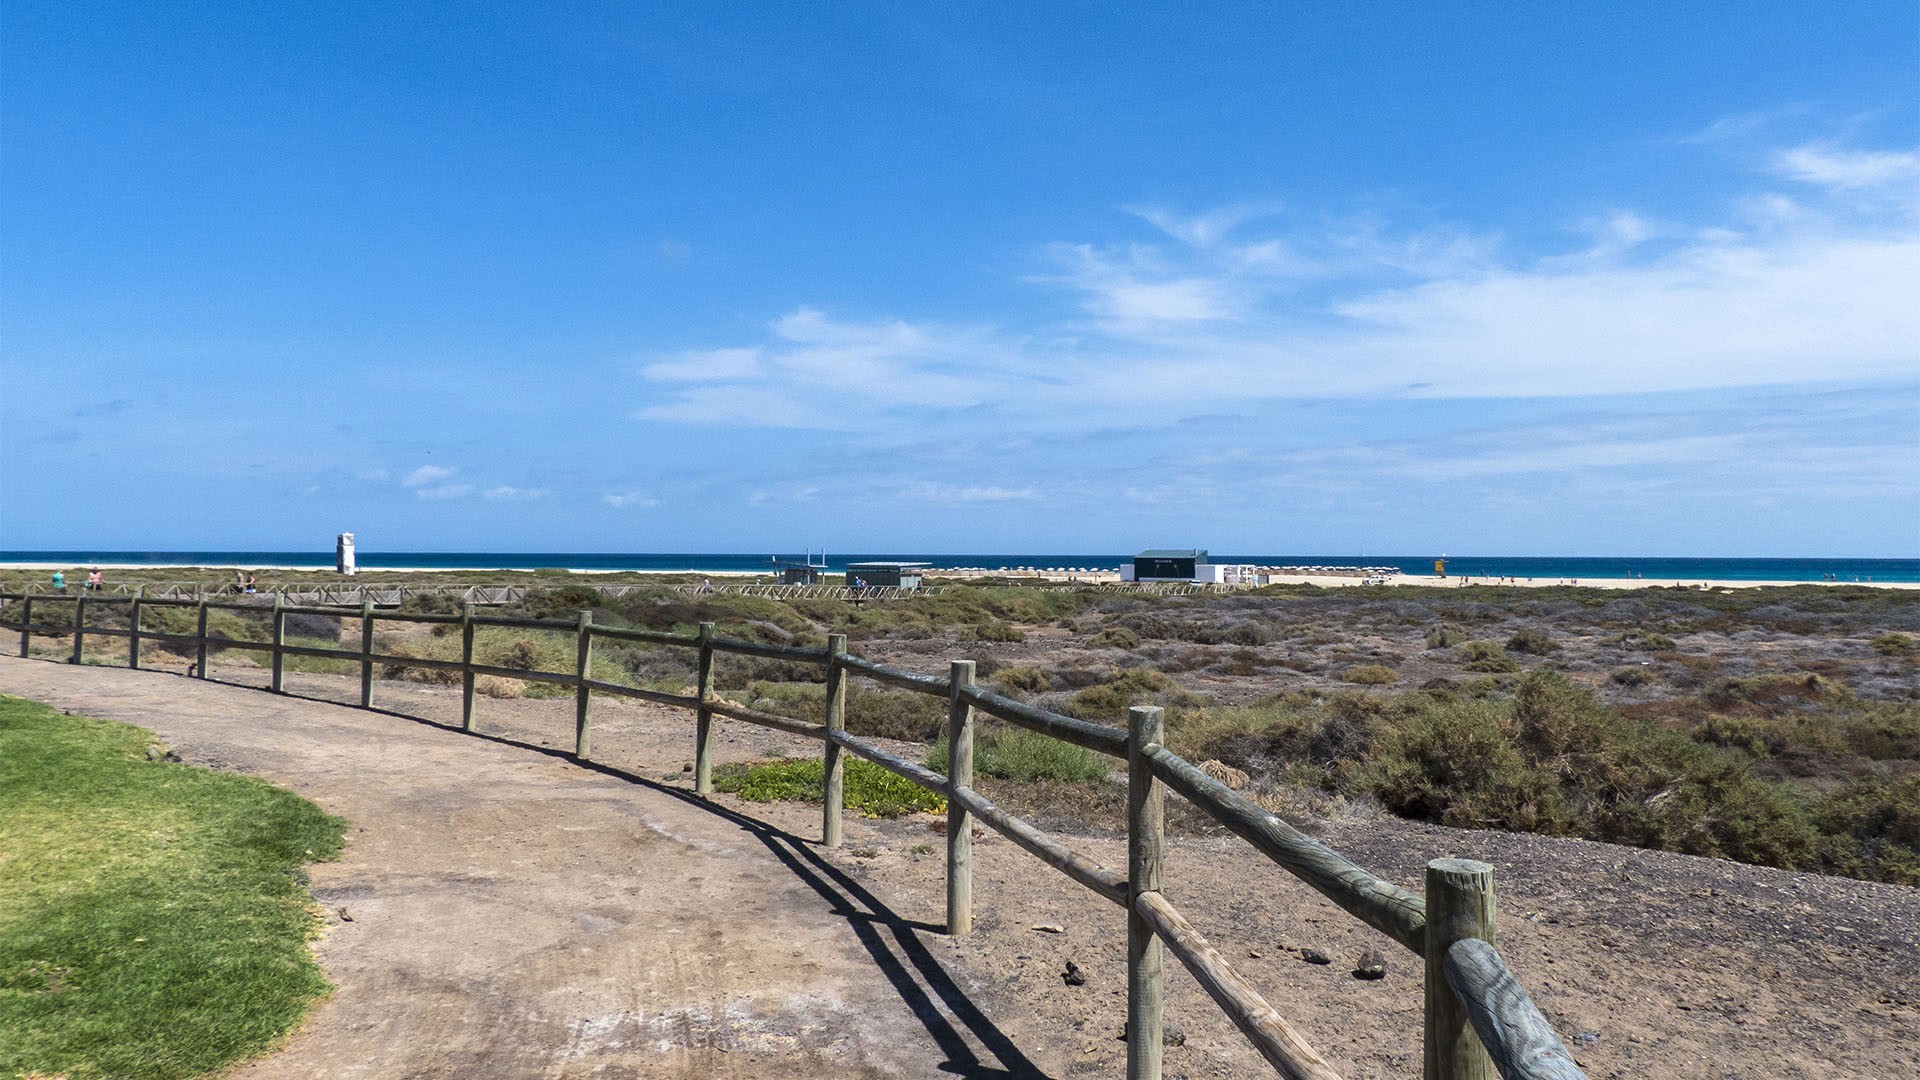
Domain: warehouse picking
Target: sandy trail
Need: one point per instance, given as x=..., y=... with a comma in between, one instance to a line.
x=515, y=915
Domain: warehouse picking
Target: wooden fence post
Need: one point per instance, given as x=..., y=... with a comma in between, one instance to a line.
x=133, y=640
x=79, y=627
x=582, y=734
x=365, y=652
x=959, y=822
x=279, y=641
x=200, y=631
x=466, y=667
x=26, y=621
x=703, y=717
x=833, y=771
x=1460, y=904
x=1146, y=844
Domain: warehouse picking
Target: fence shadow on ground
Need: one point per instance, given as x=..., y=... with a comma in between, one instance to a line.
x=891, y=940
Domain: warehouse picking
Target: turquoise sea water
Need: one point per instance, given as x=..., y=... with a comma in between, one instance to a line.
x=1656, y=571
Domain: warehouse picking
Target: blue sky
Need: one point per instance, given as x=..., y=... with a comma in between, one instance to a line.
x=1328, y=278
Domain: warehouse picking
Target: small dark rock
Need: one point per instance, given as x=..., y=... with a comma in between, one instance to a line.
x=1371, y=965
x=1586, y=1038
x=344, y=917
x=688, y=767
x=1073, y=976
x=1171, y=1034
x=1314, y=955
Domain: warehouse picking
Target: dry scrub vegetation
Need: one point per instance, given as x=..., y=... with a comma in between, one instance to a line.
x=1773, y=726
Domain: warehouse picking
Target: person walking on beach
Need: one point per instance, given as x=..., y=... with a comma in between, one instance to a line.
x=59, y=581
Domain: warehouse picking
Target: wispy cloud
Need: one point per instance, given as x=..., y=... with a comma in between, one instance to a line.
x=1801, y=278
x=444, y=491
x=1836, y=167
x=426, y=474
x=620, y=500
x=516, y=493
x=969, y=493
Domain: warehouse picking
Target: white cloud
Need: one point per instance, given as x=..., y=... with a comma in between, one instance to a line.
x=933, y=492
x=1242, y=305
x=621, y=499
x=506, y=492
x=444, y=491
x=427, y=474
x=1203, y=230
x=706, y=364
x=1829, y=166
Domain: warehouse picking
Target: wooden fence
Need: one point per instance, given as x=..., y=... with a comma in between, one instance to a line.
x=1479, y=1021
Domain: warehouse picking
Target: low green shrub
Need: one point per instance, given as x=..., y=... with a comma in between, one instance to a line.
x=1871, y=829
x=1445, y=637
x=1370, y=675
x=871, y=710
x=1486, y=657
x=319, y=665
x=1640, y=641
x=1109, y=700
x=500, y=646
x=1531, y=640
x=1012, y=753
x=865, y=787
x=1632, y=675
x=1895, y=645
x=993, y=631
x=1021, y=680
x=1115, y=637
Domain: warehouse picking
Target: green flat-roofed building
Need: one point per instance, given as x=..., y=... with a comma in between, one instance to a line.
x=1168, y=564
x=905, y=575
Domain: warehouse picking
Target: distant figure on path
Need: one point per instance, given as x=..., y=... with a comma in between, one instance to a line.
x=250, y=583
x=59, y=581
x=94, y=580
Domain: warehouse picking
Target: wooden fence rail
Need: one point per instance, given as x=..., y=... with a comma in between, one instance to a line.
x=1479, y=1020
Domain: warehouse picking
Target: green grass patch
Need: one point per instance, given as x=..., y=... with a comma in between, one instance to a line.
x=865, y=787
x=153, y=916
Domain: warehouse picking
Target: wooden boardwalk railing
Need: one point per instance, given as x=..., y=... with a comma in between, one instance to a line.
x=1480, y=1022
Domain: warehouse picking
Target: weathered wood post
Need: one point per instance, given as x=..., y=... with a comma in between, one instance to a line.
x=703, y=717
x=1146, y=844
x=279, y=641
x=366, y=653
x=26, y=621
x=959, y=822
x=466, y=667
x=1460, y=904
x=582, y=734
x=133, y=639
x=79, y=627
x=200, y=646
x=833, y=772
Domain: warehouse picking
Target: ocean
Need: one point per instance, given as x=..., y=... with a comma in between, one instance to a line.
x=1655, y=570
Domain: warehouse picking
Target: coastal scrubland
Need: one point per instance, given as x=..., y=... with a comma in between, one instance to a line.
x=1776, y=726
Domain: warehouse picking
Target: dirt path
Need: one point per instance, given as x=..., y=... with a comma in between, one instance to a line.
x=518, y=915
x=515, y=915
